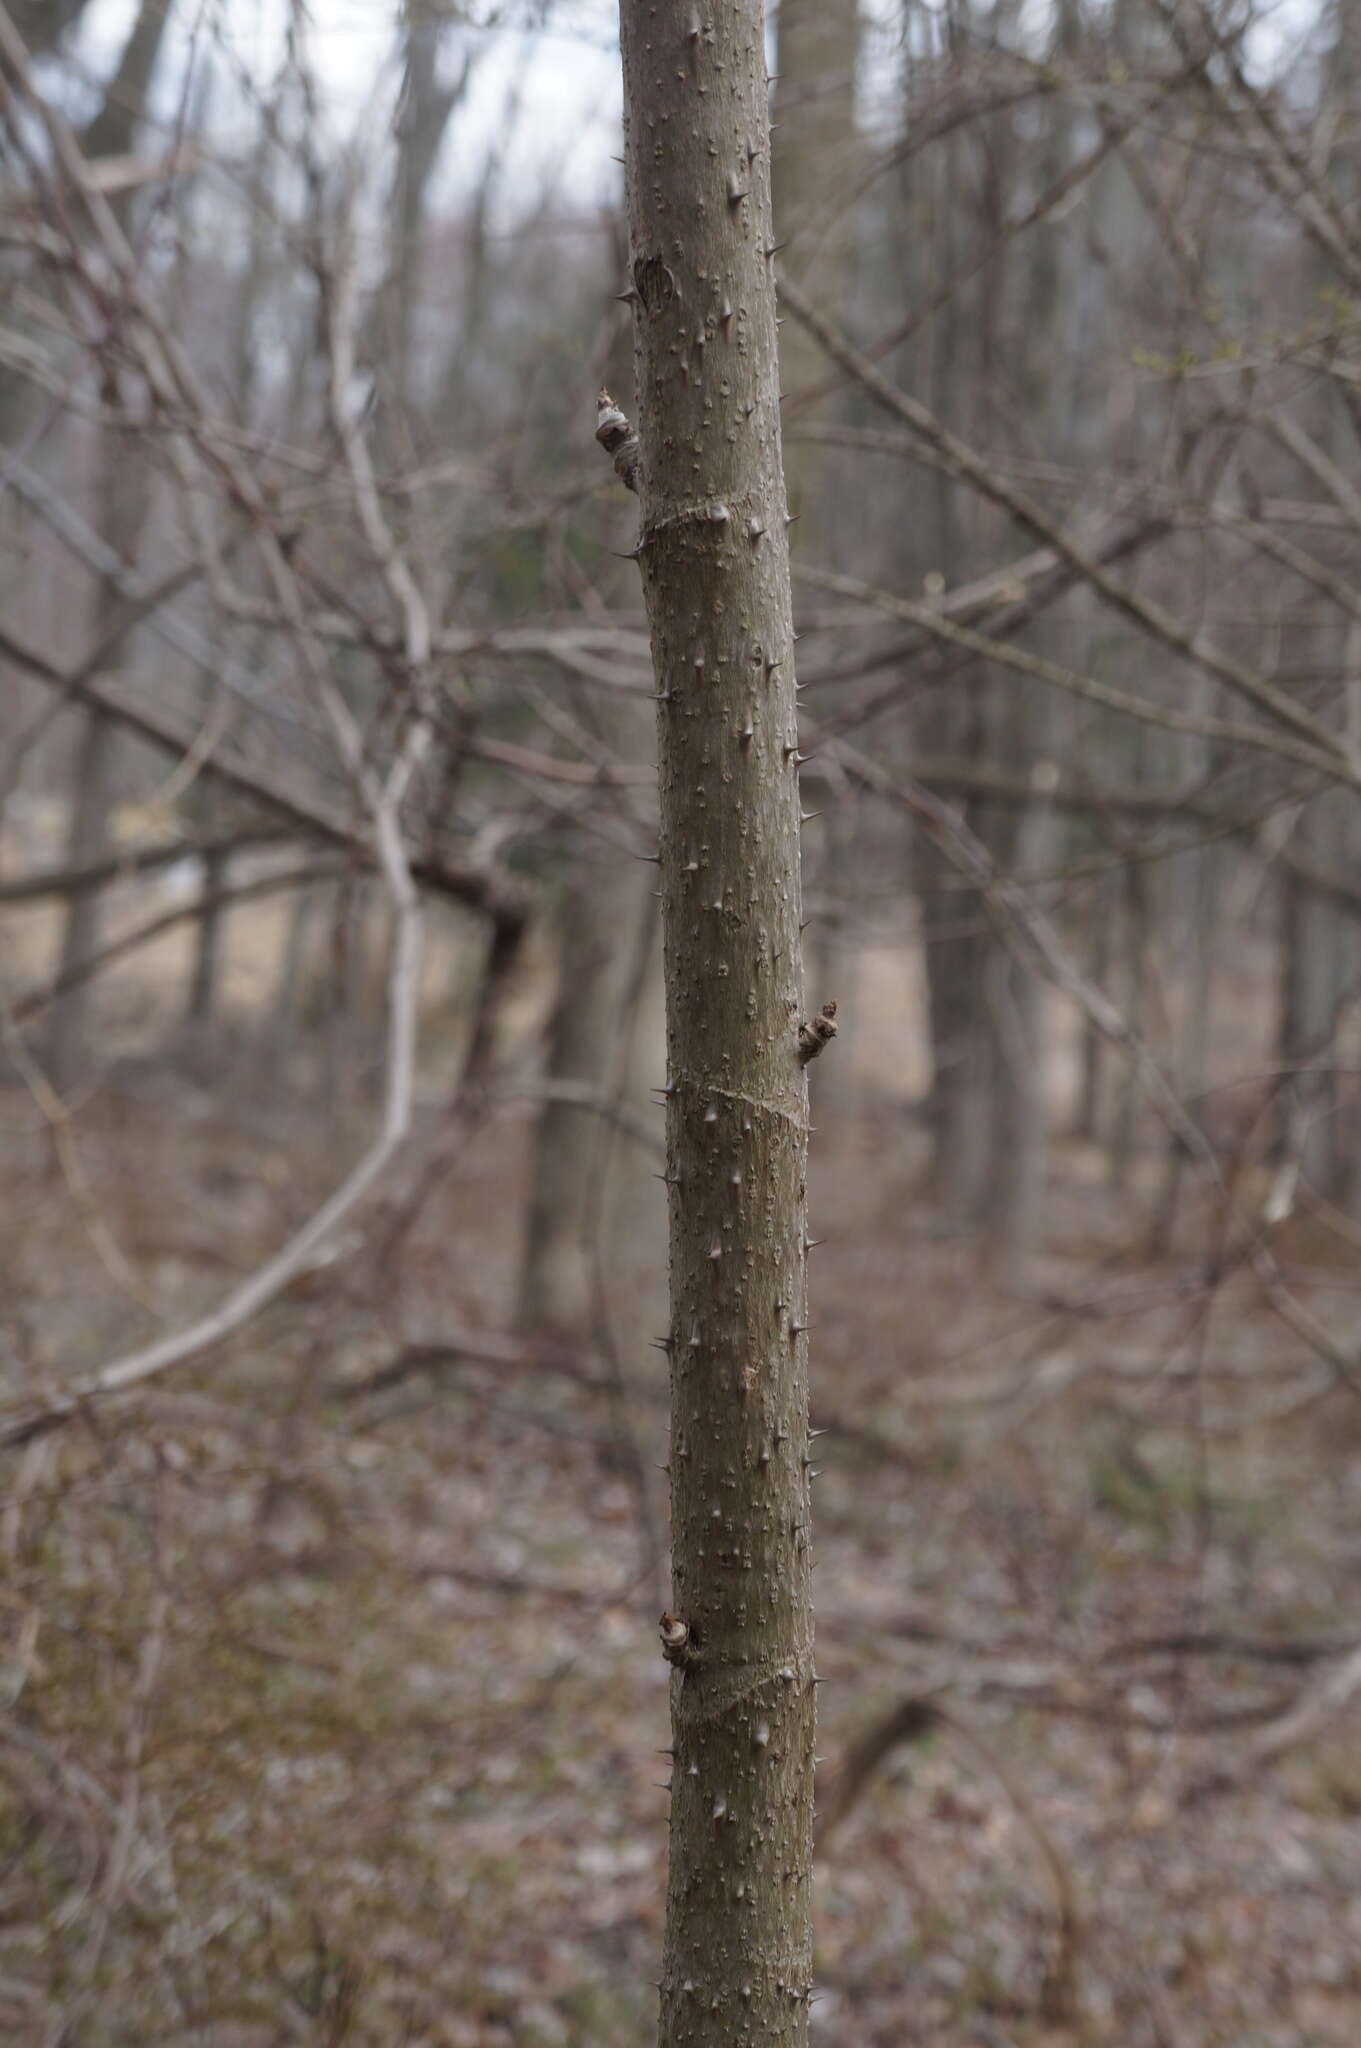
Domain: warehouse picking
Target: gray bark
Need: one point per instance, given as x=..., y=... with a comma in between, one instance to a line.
x=43, y=23
x=714, y=559
x=1137, y=928
x=122, y=487
x=818, y=42
x=201, y=1008
x=1014, y=1190
x=597, y=915
x=114, y=128
x=1319, y=954
x=424, y=111
x=124, y=497
x=605, y=902
x=1317, y=967
x=87, y=839
x=955, y=951
x=1015, y=1021
x=1201, y=886
x=1029, y=726
x=813, y=149
x=1088, y=1123
x=954, y=945
x=286, y=1002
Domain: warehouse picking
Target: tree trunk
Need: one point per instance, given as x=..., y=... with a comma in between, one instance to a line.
x=1136, y=933
x=954, y=936
x=1088, y=1123
x=1317, y=955
x=1198, y=879
x=599, y=910
x=123, y=491
x=955, y=952
x=123, y=496
x=424, y=111
x=716, y=579
x=818, y=43
x=603, y=906
x=43, y=23
x=813, y=153
x=114, y=128
x=1013, y=1194
x=279, y=1030
x=87, y=841
x=1012, y=1197
x=201, y=1006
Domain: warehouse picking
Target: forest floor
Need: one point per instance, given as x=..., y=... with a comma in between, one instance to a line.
x=332, y=1705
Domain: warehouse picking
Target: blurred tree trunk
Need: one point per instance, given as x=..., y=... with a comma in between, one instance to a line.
x=424, y=111
x=1089, y=1122
x=123, y=497
x=714, y=558
x=1196, y=878
x=600, y=908
x=813, y=152
x=1318, y=949
x=1014, y=1017
x=818, y=44
x=1006, y=328
x=122, y=487
x=114, y=128
x=209, y=813
x=597, y=912
x=986, y=1108
x=202, y=1005
x=1027, y=724
x=43, y=23
x=957, y=1107
x=87, y=841
x=1136, y=933
x=284, y=1010
x=953, y=938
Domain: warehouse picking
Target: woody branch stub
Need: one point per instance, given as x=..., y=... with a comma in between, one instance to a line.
x=618, y=439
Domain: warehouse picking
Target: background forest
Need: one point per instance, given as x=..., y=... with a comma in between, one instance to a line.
x=332, y=1534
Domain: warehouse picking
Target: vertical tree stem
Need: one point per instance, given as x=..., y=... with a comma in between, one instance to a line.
x=709, y=473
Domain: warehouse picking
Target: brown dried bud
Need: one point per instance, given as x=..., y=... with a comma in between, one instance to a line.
x=813, y=1037
x=617, y=438
x=675, y=1640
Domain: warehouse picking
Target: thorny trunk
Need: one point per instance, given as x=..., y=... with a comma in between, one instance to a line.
x=716, y=579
